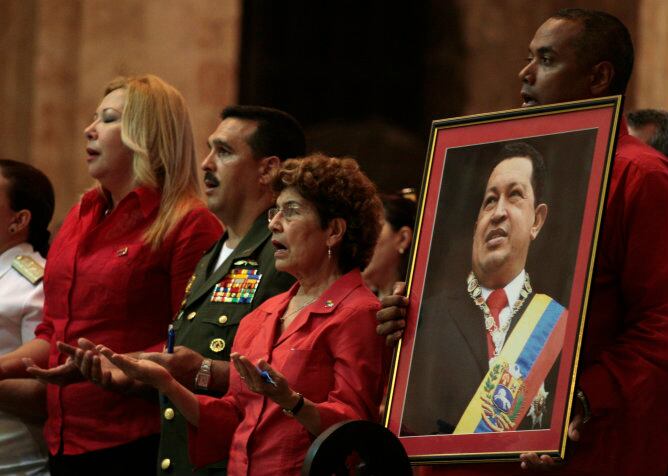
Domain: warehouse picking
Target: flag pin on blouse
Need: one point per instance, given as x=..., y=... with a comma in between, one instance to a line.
x=122, y=251
x=329, y=303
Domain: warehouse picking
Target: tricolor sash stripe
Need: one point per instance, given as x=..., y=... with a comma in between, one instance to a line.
x=518, y=371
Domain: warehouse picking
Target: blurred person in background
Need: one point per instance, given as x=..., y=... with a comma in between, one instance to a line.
x=651, y=127
x=389, y=262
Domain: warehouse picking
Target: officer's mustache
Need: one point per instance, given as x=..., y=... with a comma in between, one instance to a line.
x=210, y=179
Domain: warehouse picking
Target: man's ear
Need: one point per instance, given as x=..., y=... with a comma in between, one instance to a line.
x=337, y=229
x=267, y=165
x=540, y=215
x=601, y=78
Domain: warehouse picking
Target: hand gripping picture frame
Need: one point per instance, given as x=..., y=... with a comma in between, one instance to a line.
x=498, y=286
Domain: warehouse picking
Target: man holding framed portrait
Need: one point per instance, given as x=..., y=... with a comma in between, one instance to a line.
x=579, y=54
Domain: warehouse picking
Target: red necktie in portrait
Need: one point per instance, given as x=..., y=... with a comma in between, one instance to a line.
x=496, y=301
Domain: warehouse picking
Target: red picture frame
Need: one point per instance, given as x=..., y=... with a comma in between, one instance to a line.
x=577, y=140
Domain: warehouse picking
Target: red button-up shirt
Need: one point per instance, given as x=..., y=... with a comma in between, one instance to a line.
x=104, y=283
x=330, y=353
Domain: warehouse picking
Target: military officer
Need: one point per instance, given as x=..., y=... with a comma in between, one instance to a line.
x=238, y=273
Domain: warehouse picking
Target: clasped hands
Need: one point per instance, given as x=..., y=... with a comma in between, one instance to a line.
x=123, y=372
x=83, y=363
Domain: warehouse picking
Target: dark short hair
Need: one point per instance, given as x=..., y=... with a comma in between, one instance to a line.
x=603, y=38
x=30, y=189
x=338, y=189
x=538, y=167
x=278, y=133
x=399, y=212
x=657, y=117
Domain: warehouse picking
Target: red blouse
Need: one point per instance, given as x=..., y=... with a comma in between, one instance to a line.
x=104, y=283
x=330, y=353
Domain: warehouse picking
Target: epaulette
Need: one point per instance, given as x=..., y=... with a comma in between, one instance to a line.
x=28, y=268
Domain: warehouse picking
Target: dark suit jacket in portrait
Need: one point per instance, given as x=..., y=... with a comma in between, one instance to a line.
x=449, y=363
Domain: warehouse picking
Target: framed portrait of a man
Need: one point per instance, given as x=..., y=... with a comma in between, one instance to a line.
x=509, y=217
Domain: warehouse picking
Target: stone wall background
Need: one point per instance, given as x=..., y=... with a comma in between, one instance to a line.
x=57, y=56
x=370, y=87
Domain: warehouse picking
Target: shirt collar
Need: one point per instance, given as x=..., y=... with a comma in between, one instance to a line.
x=512, y=289
x=147, y=198
x=330, y=298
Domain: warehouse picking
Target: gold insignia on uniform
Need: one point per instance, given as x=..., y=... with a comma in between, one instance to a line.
x=122, y=251
x=240, y=262
x=191, y=316
x=238, y=286
x=28, y=268
x=217, y=345
x=222, y=319
x=169, y=413
x=165, y=464
x=190, y=284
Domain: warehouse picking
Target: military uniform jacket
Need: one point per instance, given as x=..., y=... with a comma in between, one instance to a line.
x=215, y=302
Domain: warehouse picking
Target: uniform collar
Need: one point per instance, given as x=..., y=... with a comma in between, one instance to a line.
x=258, y=234
x=8, y=256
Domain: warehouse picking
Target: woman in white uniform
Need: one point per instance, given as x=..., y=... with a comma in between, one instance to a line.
x=26, y=208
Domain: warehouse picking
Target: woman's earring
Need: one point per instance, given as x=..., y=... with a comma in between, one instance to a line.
x=401, y=250
x=329, y=252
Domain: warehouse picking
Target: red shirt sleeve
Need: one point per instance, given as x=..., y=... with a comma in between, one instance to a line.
x=359, y=370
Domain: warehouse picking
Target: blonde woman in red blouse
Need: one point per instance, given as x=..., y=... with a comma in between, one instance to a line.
x=116, y=273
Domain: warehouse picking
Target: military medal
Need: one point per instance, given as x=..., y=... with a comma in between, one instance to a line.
x=28, y=268
x=238, y=286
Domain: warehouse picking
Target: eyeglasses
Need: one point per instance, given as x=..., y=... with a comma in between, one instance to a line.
x=288, y=212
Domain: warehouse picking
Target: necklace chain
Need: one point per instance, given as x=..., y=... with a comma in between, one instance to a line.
x=498, y=333
x=285, y=316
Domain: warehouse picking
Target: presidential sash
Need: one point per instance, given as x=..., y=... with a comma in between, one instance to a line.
x=516, y=374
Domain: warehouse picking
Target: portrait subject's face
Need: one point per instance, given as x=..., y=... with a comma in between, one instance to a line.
x=553, y=73
x=507, y=222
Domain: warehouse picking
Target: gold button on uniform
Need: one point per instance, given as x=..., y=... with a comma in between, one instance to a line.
x=165, y=464
x=169, y=413
x=191, y=316
x=217, y=345
x=222, y=319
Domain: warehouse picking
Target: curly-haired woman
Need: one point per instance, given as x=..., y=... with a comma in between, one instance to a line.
x=316, y=344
